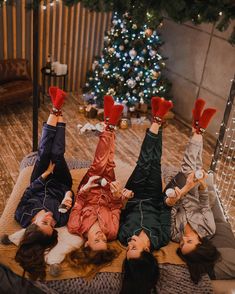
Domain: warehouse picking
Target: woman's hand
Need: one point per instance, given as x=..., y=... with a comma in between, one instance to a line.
x=171, y=201
x=202, y=182
x=90, y=184
x=67, y=201
x=115, y=188
x=127, y=194
x=49, y=170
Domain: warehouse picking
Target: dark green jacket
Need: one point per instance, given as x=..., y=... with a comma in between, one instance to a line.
x=149, y=215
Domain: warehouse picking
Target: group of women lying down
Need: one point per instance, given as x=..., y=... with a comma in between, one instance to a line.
x=142, y=216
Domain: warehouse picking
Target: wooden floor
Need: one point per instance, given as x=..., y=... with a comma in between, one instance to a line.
x=16, y=140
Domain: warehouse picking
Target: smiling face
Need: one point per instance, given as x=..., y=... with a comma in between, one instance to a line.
x=45, y=221
x=96, y=240
x=135, y=247
x=189, y=243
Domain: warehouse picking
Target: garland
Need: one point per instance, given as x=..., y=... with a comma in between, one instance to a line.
x=150, y=12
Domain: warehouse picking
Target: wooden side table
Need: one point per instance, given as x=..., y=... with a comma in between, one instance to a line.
x=49, y=76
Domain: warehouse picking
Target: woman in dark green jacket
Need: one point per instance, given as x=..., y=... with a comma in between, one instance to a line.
x=145, y=221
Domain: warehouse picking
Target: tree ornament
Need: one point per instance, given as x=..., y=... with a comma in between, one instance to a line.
x=152, y=52
x=131, y=83
x=111, y=92
x=148, y=32
x=87, y=84
x=126, y=41
x=134, y=26
x=106, y=65
x=137, y=62
x=118, y=55
x=144, y=51
x=148, y=80
x=140, y=74
x=141, y=94
x=132, y=53
x=137, y=78
x=124, y=30
x=155, y=74
x=116, y=34
x=142, y=100
x=111, y=50
x=121, y=47
x=142, y=59
x=115, y=22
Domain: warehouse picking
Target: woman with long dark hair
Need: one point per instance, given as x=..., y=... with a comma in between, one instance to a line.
x=51, y=182
x=192, y=219
x=145, y=221
x=96, y=212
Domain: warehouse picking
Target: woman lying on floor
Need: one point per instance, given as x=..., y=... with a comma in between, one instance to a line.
x=96, y=212
x=50, y=186
x=192, y=219
x=145, y=222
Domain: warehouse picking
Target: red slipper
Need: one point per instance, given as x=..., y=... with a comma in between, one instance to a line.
x=57, y=97
x=197, y=111
x=164, y=107
x=108, y=104
x=205, y=119
x=115, y=116
x=155, y=102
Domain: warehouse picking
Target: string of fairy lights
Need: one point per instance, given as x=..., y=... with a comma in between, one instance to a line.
x=223, y=162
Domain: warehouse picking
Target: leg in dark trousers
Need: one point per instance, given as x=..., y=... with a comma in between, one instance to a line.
x=44, y=151
x=145, y=180
x=61, y=172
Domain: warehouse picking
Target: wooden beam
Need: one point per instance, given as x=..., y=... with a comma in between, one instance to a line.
x=41, y=40
x=14, y=29
x=71, y=45
x=47, y=28
x=23, y=28
x=80, y=50
x=59, y=31
x=65, y=33
x=53, y=32
x=35, y=77
x=5, y=39
x=76, y=32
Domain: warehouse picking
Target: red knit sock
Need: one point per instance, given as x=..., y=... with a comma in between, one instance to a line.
x=57, y=97
x=155, y=102
x=205, y=119
x=198, y=107
x=164, y=107
x=115, y=116
x=108, y=104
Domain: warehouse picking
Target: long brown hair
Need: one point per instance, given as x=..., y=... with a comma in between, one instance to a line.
x=30, y=254
x=140, y=274
x=89, y=261
x=201, y=260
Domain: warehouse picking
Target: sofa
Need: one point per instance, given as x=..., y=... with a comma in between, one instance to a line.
x=15, y=80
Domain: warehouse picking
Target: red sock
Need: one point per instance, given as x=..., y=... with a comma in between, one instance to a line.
x=155, y=102
x=108, y=104
x=57, y=97
x=164, y=107
x=115, y=115
x=198, y=106
x=205, y=119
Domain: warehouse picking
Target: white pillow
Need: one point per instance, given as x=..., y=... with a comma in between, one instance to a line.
x=67, y=242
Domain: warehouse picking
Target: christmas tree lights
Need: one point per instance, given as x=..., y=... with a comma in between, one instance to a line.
x=130, y=68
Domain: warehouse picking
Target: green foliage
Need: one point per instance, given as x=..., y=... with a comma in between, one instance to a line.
x=130, y=68
x=151, y=12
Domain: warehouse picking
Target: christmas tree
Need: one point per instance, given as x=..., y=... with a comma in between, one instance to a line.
x=130, y=68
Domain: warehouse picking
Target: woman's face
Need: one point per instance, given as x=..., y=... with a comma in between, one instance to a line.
x=96, y=240
x=135, y=247
x=189, y=243
x=45, y=221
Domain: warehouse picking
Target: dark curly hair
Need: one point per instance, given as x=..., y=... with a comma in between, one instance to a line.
x=140, y=274
x=30, y=254
x=85, y=257
x=201, y=260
